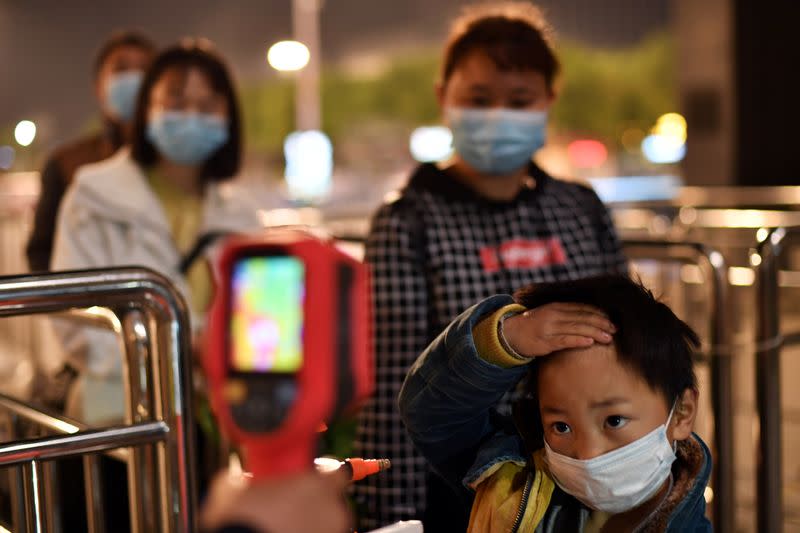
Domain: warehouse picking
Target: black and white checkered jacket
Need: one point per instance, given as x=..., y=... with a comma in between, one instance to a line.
x=434, y=252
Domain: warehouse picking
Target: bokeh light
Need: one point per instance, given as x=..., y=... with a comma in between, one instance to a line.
x=288, y=56
x=667, y=140
x=671, y=125
x=7, y=155
x=429, y=144
x=309, y=164
x=587, y=153
x=662, y=149
x=25, y=132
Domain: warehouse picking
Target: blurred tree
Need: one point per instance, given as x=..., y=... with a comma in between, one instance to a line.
x=601, y=93
x=605, y=92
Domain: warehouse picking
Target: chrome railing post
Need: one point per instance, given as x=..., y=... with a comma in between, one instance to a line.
x=143, y=489
x=93, y=488
x=767, y=261
x=172, y=401
x=713, y=264
x=16, y=478
x=50, y=484
x=35, y=496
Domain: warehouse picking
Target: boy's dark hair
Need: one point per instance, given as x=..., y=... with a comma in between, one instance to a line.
x=515, y=35
x=650, y=339
x=118, y=40
x=191, y=54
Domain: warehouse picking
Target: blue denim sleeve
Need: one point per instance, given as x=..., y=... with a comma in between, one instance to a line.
x=448, y=395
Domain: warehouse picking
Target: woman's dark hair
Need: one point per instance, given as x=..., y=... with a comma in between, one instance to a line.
x=200, y=55
x=650, y=339
x=515, y=35
x=121, y=39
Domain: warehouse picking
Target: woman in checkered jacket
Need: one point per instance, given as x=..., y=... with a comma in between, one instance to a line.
x=486, y=222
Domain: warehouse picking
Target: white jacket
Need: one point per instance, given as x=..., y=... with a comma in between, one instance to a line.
x=109, y=217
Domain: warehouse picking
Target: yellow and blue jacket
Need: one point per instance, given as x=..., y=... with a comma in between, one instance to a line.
x=447, y=405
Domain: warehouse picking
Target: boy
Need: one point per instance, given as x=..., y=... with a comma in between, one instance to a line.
x=603, y=438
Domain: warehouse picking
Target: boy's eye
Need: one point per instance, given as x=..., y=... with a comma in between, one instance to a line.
x=616, y=421
x=561, y=428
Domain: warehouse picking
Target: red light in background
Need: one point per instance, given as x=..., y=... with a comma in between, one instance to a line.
x=587, y=153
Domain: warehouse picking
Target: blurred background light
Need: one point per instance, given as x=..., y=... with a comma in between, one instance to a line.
x=671, y=125
x=667, y=140
x=25, y=132
x=587, y=153
x=663, y=149
x=287, y=56
x=636, y=188
x=429, y=144
x=309, y=165
x=7, y=154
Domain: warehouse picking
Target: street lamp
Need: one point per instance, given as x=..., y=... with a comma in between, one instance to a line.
x=309, y=153
x=288, y=56
x=25, y=132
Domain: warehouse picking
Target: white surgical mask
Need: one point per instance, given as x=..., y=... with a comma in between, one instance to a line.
x=619, y=480
x=496, y=141
x=121, y=92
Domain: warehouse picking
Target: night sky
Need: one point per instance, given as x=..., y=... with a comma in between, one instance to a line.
x=47, y=46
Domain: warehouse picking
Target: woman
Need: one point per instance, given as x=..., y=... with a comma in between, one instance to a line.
x=150, y=206
x=118, y=71
x=486, y=222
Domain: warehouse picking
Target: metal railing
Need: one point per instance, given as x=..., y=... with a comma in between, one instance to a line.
x=767, y=259
x=713, y=264
x=153, y=321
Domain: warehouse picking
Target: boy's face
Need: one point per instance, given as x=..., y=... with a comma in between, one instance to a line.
x=477, y=83
x=591, y=404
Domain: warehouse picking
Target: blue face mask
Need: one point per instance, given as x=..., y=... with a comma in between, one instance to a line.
x=496, y=142
x=187, y=138
x=122, y=91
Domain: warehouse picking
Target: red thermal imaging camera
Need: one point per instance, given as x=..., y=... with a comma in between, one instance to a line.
x=289, y=345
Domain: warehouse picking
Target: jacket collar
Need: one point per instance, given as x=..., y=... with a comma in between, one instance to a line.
x=442, y=182
x=118, y=189
x=685, y=506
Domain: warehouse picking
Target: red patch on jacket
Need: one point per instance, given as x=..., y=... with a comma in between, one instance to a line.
x=523, y=253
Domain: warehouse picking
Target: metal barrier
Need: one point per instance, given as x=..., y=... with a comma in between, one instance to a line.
x=713, y=264
x=767, y=259
x=52, y=423
x=153, y=321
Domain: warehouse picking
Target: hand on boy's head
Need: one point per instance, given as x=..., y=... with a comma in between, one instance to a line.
x=557, y=326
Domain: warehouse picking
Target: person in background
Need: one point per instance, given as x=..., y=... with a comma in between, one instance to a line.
x=485, y=222
x=118, y=71
x=155, y=204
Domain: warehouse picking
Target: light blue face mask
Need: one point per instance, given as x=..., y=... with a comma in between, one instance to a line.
x=122, y=91
x=187, y=138
x=496, y=142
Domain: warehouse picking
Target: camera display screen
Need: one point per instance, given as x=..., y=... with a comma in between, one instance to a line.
x=266, y=316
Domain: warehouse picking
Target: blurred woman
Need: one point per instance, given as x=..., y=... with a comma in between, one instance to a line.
x=151, y=205
x=488, y=221
x=118, y=71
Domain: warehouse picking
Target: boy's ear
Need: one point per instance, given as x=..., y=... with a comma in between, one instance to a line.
x=683, y=417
